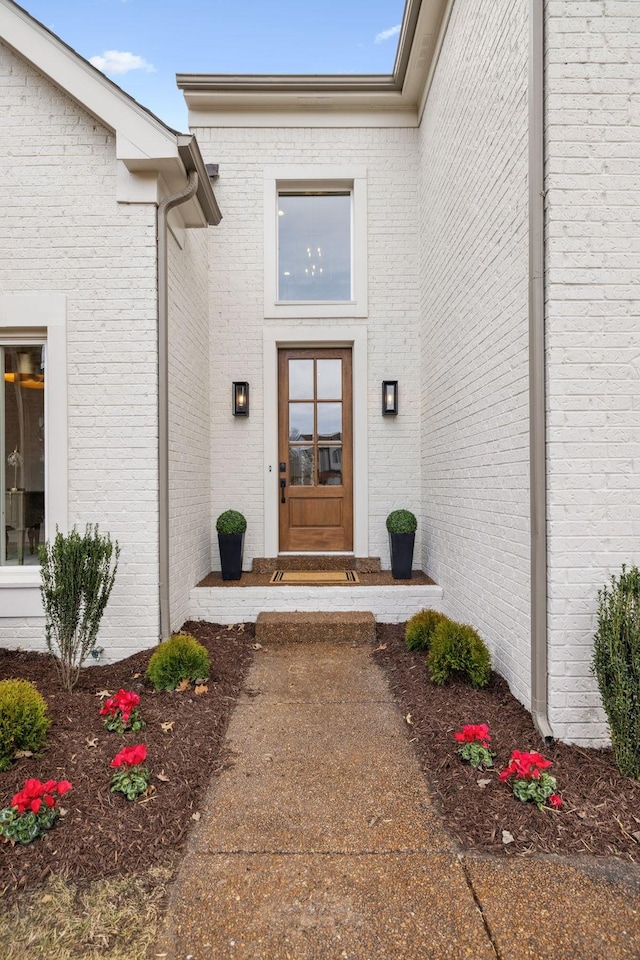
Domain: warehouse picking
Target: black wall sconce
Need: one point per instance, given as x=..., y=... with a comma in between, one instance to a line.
x=389, y=398
x=240, y=398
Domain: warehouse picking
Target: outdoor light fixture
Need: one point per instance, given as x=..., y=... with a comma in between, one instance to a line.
x=389, y=398
x=240, y=398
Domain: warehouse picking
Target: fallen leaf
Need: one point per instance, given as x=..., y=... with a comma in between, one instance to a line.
x=47, y=898
x=483, y=783
x=507, y=837
x=409, y=720
x=92, y=741
x=162, y=776
x=103, y=694
x=382, y=646
x=22, y=753
x=135, y=676
x=201, y=688
x=195, y=816
x=167, y=727
x=636, y=835
x=183, y=685
x=241, y=628
x=256, y=646
x=200, y=680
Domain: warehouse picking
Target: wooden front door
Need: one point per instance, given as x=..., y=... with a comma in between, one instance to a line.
x=315, y=449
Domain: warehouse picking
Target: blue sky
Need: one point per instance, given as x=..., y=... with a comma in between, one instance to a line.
x=142, y=44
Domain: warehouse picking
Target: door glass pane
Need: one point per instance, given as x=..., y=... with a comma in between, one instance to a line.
x=330, y=466
x=329, y=421
x=329, y=379
x=300, y=421
x=314, y=246
x=301, y=466
x=22, y=453
x=300, y=379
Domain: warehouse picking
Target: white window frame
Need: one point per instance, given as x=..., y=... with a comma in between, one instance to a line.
x=325, y=178
x=40, y=318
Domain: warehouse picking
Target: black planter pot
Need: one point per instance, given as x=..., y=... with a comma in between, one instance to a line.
x=401, y=547
x=231, y=551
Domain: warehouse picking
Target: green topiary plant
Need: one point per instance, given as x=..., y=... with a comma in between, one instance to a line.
x=420, y=627
x=401, y=521
x=77, y=574
x=616, y=664
x=180, y=657
x=23, y=720
x=457, y=649
x=231, y=522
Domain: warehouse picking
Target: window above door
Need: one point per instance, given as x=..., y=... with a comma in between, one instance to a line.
x=315, y=242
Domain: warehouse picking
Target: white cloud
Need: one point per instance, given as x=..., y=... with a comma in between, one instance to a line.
x=117, y=61
x=387, y=34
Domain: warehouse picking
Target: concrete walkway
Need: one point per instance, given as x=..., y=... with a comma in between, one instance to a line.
x=321, y=842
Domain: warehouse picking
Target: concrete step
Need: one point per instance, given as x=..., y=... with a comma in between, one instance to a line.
x=309, y=561
x=314, y=626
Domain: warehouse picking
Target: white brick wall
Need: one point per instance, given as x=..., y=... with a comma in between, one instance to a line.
x=593, y=333
x=237, y=311
x=189, y=441
x=474, y=209
x=62, y=231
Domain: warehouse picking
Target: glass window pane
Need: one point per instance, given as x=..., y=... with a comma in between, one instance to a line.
x=300, y=379
x=330, y=466
x=300, y=421
x=329, y=421
x=314, y=246
x=301, y=466
x=22, y=441
x=329, y=379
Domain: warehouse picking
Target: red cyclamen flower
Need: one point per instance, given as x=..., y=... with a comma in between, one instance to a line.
x=474, y=733
x=130, y=756
x=34, y=793
x=124, y=701
x=555, y=800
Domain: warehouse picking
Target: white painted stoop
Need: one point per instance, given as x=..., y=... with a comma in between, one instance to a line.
x=389, y=604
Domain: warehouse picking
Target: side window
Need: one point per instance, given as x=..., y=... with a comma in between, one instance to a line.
x=22, y=452
x=315, y=242
x=314, y=246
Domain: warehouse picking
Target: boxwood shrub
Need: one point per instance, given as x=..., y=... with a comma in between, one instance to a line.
x=458, y=650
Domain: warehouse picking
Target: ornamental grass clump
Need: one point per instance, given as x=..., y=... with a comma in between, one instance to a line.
x=474, y=740
x=531, y=782
x=458, y=650
x=23, y=720
x=616, y=664
x=179, y=658
x=77, y=575
x=33, y=810
x=420, y=628
x=132, y=777
x=121, y=712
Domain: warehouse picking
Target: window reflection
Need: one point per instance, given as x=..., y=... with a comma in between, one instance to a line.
x=314, y=246
x=301, y=472
x=329, y=466
x=300, y=421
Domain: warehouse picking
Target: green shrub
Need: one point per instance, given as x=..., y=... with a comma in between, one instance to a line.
x=77, y=574
x=179, y=658
x=420, y=629
x=231, y=522
x=401, y=521
x=457, y=649
x=616, y=664
x=23, y=720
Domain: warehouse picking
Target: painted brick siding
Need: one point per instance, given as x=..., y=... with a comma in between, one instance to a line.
x=62, y=231
x=593, y=334
x=189, y=441
x=474, y=303
x=237, y=311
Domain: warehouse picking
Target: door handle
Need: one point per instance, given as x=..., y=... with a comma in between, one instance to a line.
x=283, y=484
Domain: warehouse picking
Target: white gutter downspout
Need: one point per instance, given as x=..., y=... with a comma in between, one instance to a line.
x=164, y=207
x=537, y=396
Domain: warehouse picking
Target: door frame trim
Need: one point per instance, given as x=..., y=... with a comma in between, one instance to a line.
x=354, y=337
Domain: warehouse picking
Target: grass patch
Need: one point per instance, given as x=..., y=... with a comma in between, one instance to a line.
x=107, y=919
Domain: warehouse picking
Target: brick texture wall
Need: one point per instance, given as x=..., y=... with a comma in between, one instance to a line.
x=189, y=441
x=593, y=333
x=237, y=311
x=62, y=231
x=474, y=212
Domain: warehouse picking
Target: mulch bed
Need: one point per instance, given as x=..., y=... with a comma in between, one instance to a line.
x=103, y=834
x=601, y=812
